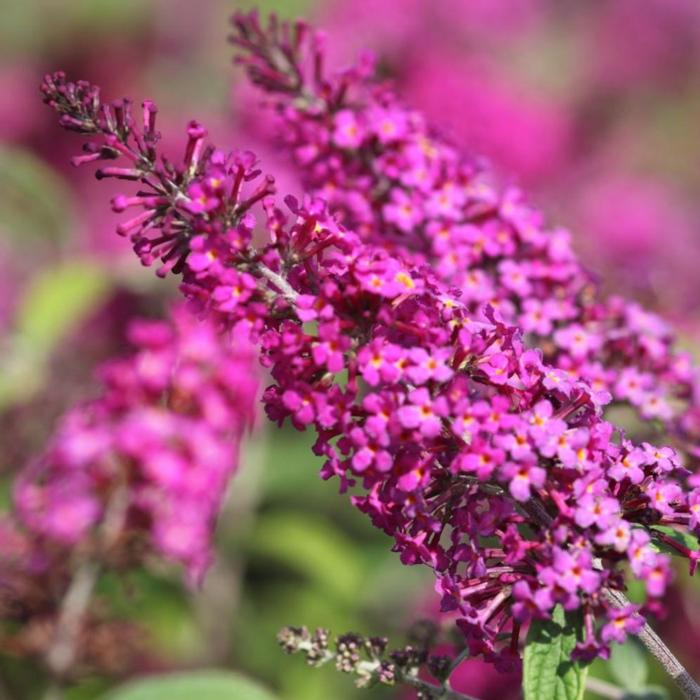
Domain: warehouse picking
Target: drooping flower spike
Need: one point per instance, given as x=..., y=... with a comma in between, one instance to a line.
x=150, y=459
x=478, y=458
x=386, y=175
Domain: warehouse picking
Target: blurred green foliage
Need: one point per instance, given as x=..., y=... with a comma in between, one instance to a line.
x=202, y=685
x=628, y=665
x=37, y=208
x=35, y=26
x=53, y=306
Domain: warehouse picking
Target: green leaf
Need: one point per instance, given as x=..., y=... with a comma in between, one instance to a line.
x=628, y=665
x=54, y=305
x=548, y=671
x=683, y=538
x=290, y=9
x=314, y=548
x=38, y=27
x=59, y=299
x=197, y=685
x=36, y=205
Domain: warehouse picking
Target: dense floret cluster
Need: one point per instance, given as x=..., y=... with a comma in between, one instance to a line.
x=399, y=309
x=386, y=175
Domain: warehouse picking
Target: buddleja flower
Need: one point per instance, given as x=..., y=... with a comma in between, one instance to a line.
x=398, y=184
x=151, y=457
x=480, y=459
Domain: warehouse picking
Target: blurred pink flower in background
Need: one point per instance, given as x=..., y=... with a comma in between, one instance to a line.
x=550, y=94
x=545, y=90
x=484, y=681
x=486, y=110
x=649, y=235
x=18, y=116
x=657, y=47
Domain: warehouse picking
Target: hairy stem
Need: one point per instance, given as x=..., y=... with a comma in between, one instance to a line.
x=457, y=661
x=658, y=649
x=280, y=282
x=61, y=654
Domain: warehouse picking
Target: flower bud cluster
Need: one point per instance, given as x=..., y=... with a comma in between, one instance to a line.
x=365, y=657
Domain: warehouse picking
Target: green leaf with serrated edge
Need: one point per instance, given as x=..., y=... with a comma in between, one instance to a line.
x=548, y=671
x=628, y=665
x=197, y=685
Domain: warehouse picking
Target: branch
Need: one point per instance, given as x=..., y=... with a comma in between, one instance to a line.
x=61, y=653
x=656, y=647
x=456, y=662
x=434, y=692
x=279, y=282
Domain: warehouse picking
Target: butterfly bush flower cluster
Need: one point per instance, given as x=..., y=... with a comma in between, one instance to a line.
x=387, y=176
x=484, y=458
x=151, y=457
